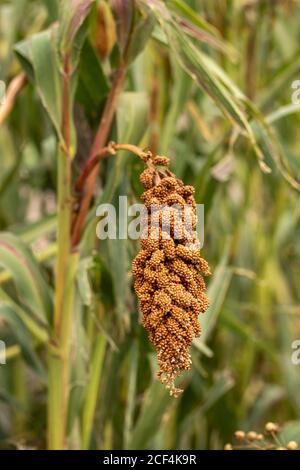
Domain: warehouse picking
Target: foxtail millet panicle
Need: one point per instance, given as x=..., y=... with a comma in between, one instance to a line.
x=169, y=270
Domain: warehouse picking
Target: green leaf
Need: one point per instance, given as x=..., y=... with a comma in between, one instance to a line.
x=282, y=291
x=202, y=70
x=52, y=8
x=184, y=9
x=262, y=135
x=132, y=113
x=47, y=77
x=117, y=256
x=141, y=33
x=92, y=389
x=123, y=11
x=22, y=51
x=282, y=112
x=131, y=393
x=216, y=294
x=92, y=85
x=290, y=432
x=247, y=332
x=8, y=399
x=131, y=119
x=270, y=396
x=194, y=25
x=33, y=291
x=39, y=59
x=155, y=404
x=72, y=16
x=38, y=331
x=193, y=61
x=31, y=232
x=215, y=82
x=279, y=80
x=223, y=382
x=180, y=92
x=83, y=281
x=20, y=332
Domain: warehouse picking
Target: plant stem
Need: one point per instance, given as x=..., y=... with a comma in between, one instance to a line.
x=99, y=142
x=59, y=350
x=64, y=201
x=14, y=88
x=59, y=366
x=89, y=167
x=55, y=400
x=66, y=325
x=63, y=235
x=110, y=149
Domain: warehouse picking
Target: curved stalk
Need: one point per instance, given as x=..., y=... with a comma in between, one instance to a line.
x=99, y=142
x=14, y=88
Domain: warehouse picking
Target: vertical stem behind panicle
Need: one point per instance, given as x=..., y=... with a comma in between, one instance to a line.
x=64, y=201
x=99, y=142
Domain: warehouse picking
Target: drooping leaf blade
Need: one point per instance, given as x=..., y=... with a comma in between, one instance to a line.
x=31, y=286
x=23, y=338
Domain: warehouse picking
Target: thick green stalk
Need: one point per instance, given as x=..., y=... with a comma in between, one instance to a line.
x=66, y=327
x=59, y=366
x=57, y=361
x=59, y=352
x=56, y=429
x=63, y=235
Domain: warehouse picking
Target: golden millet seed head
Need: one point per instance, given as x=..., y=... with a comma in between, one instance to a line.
x=168, y=271
x=259, y=441
x=272, y=427
x=292, y=445
x=228, y=447
x=161, y=160
x=251, y=436
x=239, y=435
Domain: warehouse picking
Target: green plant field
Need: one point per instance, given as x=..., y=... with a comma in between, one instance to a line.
x=210, y=84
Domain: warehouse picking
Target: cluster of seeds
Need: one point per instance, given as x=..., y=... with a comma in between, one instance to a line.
x=270, y=440
x=169, y=270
